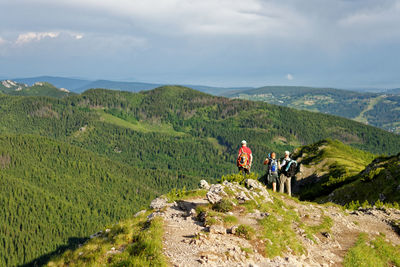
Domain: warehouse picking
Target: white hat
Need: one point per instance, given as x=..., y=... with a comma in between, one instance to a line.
x=287, y=152
x=244, y=142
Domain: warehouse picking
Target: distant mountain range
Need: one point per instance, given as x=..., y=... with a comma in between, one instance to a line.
x=81, y=85
x=380, y=109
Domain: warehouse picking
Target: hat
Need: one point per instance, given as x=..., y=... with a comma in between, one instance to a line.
x=287, y=152
x=244, y=142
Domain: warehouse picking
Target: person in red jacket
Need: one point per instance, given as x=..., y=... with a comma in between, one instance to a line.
x=245, y=158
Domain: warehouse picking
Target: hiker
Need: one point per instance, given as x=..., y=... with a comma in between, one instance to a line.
x=245, y=158
x=272, y=174
x=288, y=170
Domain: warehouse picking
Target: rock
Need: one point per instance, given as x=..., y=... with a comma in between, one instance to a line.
x=108, y=230
x=252, y=184
x=213, y=197
x=326, y=234
x=217, y=229
x=233, y=229
x=153, y=215
x=137, y=214
x=193, y=213
x=204, y=185
x=159, y=203
x=242, y=197
x=215, y=193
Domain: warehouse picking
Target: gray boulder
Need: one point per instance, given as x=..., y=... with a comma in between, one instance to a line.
x=159, y=203
x=216, y=193
x=204, y=185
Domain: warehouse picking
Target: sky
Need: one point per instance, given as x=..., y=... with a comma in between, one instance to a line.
x=330, y=43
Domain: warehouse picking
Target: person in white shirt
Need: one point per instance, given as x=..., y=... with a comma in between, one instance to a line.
x=283, y=179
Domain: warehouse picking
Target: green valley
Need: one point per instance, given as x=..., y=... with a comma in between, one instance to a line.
x=53, y=193
x=377, y=109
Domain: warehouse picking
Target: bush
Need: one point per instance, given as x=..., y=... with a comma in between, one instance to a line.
x=224, y=205
x=176, y=194
x=245, y=231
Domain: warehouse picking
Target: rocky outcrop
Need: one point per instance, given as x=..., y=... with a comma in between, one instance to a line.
x=159, y=203
x=204, y=185
x=253, y=190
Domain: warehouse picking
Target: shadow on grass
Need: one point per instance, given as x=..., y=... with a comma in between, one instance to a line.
x=72, y=243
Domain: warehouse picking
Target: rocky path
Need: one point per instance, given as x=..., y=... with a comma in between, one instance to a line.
x=188, y=242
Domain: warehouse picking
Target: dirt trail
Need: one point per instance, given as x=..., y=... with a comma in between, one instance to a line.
x=188, y=243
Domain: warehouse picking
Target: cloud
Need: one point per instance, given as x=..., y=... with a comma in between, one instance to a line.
x=78, y=36
x=2, y=41
x=260, y=39
x=35, y=36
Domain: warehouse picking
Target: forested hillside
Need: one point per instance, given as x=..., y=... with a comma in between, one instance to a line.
x=98, y=143
x=377, y=109
x=52, y=194
x=181, y=129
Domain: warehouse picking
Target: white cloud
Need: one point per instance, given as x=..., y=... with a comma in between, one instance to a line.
x=35, y=36
x=2, y=41
x=183, y=17
x=79, y=36
x=289, y=77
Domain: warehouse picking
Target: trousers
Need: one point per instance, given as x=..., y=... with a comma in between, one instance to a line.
x=284, y=180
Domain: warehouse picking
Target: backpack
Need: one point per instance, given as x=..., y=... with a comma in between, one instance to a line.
x=291, y=168
x=273, y=165
x=243, y=159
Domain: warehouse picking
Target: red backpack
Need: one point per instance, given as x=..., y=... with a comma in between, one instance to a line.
x=243, y=159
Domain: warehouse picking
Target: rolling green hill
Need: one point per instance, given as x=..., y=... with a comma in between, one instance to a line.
x=334, y=172
x=52, y=193
x=82, y=150
x=327, y=165
x=377, y=109
x=380, y=180
x=181, y=129
x=38, y=89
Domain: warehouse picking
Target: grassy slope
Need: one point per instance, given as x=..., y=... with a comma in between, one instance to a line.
x=347, y=174
x=376, y=252
x=51, y=191
x=333, y=162
x=379, y=181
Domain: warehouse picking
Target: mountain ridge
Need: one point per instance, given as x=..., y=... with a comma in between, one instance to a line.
x=173, y=135
x=237, y=224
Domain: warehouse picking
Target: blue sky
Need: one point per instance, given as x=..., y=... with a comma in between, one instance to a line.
x=337, y=43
